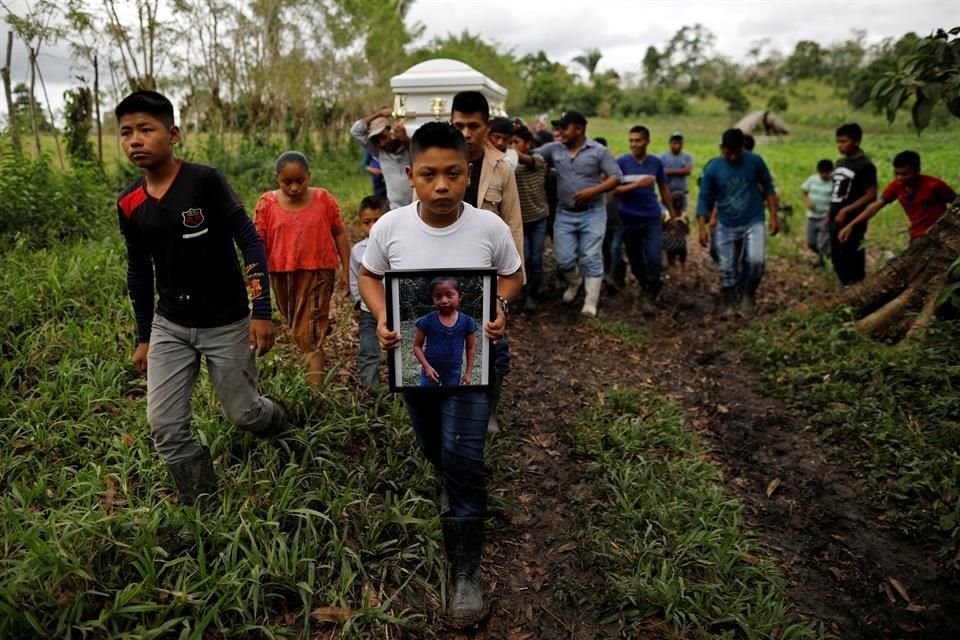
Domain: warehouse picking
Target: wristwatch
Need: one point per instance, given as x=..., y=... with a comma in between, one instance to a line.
x=504, y=304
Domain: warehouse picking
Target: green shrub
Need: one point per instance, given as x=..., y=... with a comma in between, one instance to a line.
x=41, y=206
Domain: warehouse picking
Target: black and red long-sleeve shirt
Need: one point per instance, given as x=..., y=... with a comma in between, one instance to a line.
x=186, y=239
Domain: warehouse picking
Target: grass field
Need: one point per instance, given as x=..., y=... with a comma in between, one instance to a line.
x=338, y=519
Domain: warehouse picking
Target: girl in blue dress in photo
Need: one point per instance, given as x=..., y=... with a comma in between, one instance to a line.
x=442, y=336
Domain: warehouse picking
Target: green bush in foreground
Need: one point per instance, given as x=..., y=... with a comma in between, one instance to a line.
x=41, y=206
x=902, y=403
x=334, y=514
x=670, y=541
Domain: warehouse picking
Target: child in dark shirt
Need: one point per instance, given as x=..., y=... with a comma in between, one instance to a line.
x=180, y=222
x=854, y=187
x=442, y=336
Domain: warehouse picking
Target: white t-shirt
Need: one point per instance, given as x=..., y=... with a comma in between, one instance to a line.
x=512, y=158
x=479, y=239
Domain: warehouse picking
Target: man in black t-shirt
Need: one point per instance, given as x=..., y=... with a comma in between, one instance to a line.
x=854, y=187
x=180, y=221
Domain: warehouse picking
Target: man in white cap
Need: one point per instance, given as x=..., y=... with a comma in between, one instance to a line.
x=390, y=145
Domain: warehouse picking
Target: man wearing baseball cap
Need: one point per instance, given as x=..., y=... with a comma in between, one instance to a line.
x=585, y=171
x=390, y=145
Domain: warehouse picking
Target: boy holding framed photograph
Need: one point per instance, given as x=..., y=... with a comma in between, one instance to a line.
x=440, y=231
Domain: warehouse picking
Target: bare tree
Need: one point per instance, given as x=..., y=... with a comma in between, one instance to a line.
x=36, y=28
x=12, y=126
x=139, y=46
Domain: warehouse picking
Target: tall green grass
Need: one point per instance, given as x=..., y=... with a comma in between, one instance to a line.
x=901, y=404
x=671, y=542
x=339, y=512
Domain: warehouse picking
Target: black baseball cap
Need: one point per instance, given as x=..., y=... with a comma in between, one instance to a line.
x=570, y=117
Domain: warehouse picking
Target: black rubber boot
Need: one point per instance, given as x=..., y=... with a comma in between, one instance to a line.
x=648, y=297
x=729, y=302
x=279, y=421
x=194, y=477
x=463, y=542
x=533, y=289
x=749, y=301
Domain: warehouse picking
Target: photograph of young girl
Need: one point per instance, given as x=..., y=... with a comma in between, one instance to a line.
x=440, y=316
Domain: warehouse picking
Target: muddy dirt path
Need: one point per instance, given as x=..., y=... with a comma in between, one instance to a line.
x=819, y=524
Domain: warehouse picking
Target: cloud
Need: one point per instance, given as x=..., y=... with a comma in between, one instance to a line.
x=623, y=30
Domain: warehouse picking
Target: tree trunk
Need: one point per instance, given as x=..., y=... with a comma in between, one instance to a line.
x=5, y=73
x=899, y=298
x=96, y=104
x=56, y=138
x=33, y=101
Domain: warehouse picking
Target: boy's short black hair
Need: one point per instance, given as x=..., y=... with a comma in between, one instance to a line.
x=442, y=135
x=824, y=165
x=543, y=136
x=749, y=142
x=372, y=203
x=601, y=141
x=850, y=130
x=150, y=102
x=471, y=102
x=524, y=133
x=908, y=158
x=732, y=140
x=502, y=125
x=642, y=130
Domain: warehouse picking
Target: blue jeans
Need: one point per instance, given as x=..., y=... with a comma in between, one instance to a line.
x=643, y=238
x=754, y=238
x=368, y=360
x=534, y=234
x=579, y=236
x=452, y=431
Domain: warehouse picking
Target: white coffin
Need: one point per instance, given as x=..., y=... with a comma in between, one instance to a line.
x=424, y=92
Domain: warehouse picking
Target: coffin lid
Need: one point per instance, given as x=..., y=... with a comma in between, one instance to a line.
x=445, y=73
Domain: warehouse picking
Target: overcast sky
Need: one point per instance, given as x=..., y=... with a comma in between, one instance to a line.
x=621, y=29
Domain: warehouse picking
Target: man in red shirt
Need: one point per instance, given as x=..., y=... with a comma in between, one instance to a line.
x=924, y=198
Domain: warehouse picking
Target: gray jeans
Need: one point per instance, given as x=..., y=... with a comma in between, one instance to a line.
x=818, y=236
x=368, y=360
x=173, y=364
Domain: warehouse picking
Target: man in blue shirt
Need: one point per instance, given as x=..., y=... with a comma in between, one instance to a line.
x=640, y=213
x=677, y=165
x=585, y=171
x=738, y=182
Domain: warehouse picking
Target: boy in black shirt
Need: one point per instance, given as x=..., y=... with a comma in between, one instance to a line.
x=180, y=221
x=854, y=187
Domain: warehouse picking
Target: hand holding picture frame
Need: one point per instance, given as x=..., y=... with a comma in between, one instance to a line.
x=439, y=315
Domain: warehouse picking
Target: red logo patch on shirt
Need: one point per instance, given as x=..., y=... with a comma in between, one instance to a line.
x=192, y=218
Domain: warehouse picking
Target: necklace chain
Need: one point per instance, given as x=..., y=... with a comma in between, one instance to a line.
x=459, y=212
